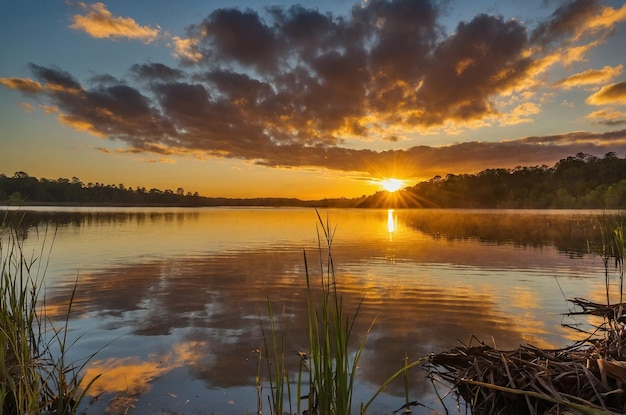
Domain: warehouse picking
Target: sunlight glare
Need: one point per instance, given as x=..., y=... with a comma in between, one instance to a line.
x=391, y=222
x=392, y=185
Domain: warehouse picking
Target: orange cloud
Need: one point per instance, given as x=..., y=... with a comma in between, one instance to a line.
x=161, y=160
x=184, y=48
x=565, y=55
x=605, y=20
x=27, y=107
x=100, y=23
x=608, y=116
x=572, y=54
x=521, y=114
x=609, y=94
x=22, y=84
x=591, y=77
x=80, y=125
x=463, y=64
x=578, y=19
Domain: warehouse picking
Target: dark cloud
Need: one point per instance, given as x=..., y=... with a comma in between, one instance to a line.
x=110, y=108
x=576, y=137
x=566, y=20
x=402, y=33
x=469, y=157
x=238, y=36
x=291, y=86
x=105, y=79
x=483, y=57
x=55, y=77
x=156, y=72
x=612, y=123
x=304, y=31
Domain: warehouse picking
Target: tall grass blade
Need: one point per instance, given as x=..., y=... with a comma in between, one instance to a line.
x=33, y=378
x=331, y=363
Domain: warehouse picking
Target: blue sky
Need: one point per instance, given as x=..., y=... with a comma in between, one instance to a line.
x=323, y=99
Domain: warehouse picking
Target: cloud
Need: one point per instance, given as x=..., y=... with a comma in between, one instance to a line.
x=55, y=79
x=238, y=36
x=591, y=77
x=27, y=106
x=571, y=32
x=387, y=65
x=185, y=48
x=156, y=72
x=608, y=117
x=425, y=161
x=21, y=84
x=293, y=87
x=521, y=114
x=100, y=23
x=576, y=19
x=609, y=94
x=606, y=19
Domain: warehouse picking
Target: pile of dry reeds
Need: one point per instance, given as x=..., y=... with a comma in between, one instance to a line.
x=588, y=377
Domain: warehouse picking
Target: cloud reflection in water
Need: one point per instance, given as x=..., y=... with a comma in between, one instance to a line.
x=196, y=318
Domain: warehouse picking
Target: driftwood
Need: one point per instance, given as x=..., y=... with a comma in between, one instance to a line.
x=611, y=312
x=588, y=377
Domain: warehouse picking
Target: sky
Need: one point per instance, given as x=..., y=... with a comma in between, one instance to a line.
x=309, y=100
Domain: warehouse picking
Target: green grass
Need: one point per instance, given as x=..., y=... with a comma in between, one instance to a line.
x=33, y=378
x=329, y=369
x=612, y=251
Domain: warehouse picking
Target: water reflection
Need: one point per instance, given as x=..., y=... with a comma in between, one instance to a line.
x=569, y=231
x=184, y=293
x=391, y=223
x=204, y=315
x=209, y=322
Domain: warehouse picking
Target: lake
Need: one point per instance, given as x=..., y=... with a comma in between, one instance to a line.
x=172, y=299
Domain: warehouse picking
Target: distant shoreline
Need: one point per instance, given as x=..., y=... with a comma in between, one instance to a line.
x=578, y=182
x=4, y=204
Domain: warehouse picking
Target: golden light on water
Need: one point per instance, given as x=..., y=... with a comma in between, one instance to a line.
x=391, y=222
x=392, y=185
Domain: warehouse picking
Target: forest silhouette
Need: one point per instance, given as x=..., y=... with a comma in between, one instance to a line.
x=581, y=181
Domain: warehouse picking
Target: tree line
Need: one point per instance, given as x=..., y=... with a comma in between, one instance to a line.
x=24, y=189
x=582, y=181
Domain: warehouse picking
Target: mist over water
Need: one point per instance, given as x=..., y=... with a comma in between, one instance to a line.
x=177, y=296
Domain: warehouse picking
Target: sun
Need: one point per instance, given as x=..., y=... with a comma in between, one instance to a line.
x=392, y=185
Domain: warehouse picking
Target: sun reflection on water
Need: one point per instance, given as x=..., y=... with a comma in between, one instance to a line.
x=391, y=223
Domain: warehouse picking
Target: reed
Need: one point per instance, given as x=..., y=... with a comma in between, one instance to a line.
x=611, y=249
x=329, y=368
x=275, y=360
x=33, y=378
x=332, y=365
x=619, y=253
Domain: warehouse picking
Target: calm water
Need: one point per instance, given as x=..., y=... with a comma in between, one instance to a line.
x=175, y=297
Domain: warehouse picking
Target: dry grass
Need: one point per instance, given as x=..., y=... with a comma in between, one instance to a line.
x=584, y=378
x=588, y=377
